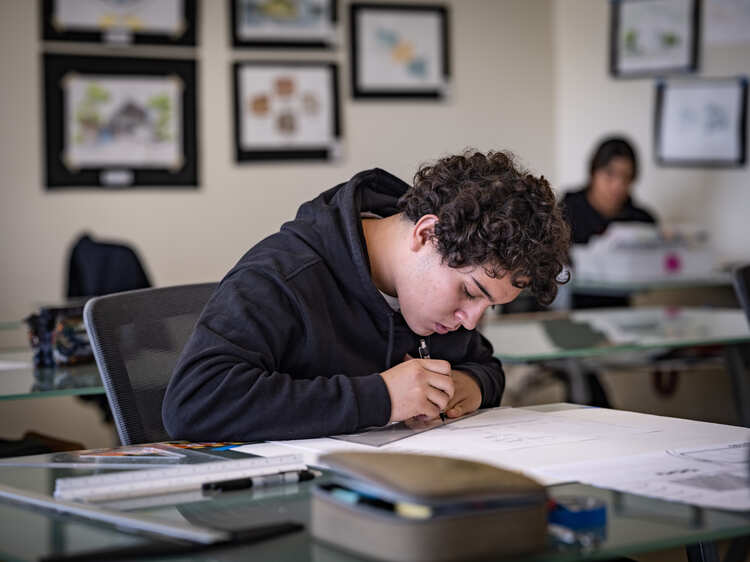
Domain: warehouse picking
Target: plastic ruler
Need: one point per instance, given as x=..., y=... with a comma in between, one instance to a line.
x=135, y=483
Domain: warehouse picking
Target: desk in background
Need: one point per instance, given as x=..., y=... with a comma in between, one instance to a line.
x=19, y=378
x=550, y=336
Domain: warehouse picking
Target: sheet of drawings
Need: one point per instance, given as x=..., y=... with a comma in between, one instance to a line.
x=492, y=436
x=505, y=436
x=695, y=462
x=712, y=476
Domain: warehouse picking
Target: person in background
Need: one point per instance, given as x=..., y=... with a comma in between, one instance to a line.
x=606, y=198
x=362, y=310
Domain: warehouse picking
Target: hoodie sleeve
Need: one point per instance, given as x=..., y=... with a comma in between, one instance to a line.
x=233, y=381
x=486, y=369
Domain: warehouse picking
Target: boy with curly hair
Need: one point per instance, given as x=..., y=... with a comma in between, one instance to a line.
x=316, y=331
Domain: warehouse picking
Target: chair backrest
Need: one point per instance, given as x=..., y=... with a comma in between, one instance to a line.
x=741, y=279
x=100, y=268
x=137, y=337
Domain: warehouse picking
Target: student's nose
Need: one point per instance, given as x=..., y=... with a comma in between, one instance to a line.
x=469, y=316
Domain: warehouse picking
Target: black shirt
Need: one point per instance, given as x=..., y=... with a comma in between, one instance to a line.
x=585, y=221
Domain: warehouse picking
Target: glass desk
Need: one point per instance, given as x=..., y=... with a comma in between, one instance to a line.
x=635, y=524
x=20, y=379
x=624, y=288
x=587, y=333
x=549, y=336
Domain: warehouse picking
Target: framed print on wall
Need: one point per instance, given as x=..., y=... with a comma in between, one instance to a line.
x=286, y=111
x=158, y=22
x=399, y=51
x=119, y=122
x=651, y=37
x=287, y=23
x=701, y=122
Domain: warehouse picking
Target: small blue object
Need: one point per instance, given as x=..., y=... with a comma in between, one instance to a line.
x=578, y=512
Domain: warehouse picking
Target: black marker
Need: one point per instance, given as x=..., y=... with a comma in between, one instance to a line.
x=424, y=353
x=259, y=481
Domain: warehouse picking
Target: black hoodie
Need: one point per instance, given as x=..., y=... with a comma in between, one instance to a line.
x=292, y=342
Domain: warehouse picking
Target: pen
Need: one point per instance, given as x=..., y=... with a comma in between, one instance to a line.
x=424, y=353
x=259, y=481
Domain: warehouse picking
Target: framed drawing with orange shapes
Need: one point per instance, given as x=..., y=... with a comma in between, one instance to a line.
x=154, y=22
x=399, y=51
x=286, y=111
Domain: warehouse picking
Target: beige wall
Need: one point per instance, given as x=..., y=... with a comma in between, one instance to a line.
x=503, y=97
x=590, y=104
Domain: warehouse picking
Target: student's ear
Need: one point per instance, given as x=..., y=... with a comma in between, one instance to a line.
x=422, y=232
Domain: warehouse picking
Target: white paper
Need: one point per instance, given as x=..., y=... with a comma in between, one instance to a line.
x=505, y=437
x=714, y=476
x=541, y=443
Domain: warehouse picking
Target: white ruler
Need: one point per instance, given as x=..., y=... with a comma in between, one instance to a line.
x=135, y=483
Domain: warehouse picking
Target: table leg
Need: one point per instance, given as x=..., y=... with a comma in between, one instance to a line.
x=736, y=358
x=579, y=391
x=702, y=552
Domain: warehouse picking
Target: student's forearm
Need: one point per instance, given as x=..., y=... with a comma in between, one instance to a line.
x=243, y=403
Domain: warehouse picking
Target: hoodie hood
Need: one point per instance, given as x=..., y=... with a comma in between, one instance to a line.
x=331, y=225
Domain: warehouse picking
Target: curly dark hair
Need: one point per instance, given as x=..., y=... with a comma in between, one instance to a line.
x=492, y=213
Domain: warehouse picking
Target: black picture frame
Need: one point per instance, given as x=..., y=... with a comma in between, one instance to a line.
x=364, y=61
x=186, y=37
x=327, y=147
x=635, y=51
x=315, y=39
x=701, y=122
x=59, y=173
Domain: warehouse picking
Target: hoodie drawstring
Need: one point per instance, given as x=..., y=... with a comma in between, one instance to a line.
x=389, y=350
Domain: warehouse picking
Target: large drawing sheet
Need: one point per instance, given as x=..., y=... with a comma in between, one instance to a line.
x=544, y=444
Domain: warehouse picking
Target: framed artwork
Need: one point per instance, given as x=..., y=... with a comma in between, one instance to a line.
x=119, y=122
x=399, y=51
x=651, y=37
x=158, y=22
x=283, y=23
x=701, y=122
x=286, y=111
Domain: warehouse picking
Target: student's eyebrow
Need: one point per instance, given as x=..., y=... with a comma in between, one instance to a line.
x=485, y=291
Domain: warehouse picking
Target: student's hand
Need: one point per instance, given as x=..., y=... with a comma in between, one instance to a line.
x=467, y=396
x=418, y=387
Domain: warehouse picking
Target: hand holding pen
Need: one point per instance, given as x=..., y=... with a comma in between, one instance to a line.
x=467, y=396
x=418, y=387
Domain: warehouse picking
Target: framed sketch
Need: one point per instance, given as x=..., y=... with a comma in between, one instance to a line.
x=651, y=37
x=399, y=51
x=701, y=122
x=286, y=111
x=159, y=22
x=119, y=122
x=287, y=23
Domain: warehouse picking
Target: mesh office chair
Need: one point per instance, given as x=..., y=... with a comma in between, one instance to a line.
x=137, y=337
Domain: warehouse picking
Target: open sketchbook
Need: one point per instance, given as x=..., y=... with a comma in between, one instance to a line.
x=134, y=456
